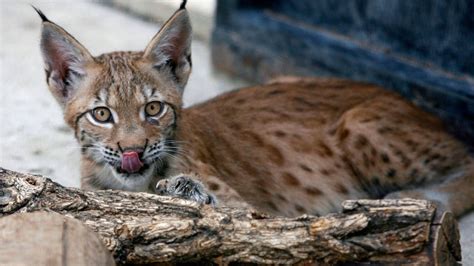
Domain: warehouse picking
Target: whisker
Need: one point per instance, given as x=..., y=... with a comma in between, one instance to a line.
x=177, y=158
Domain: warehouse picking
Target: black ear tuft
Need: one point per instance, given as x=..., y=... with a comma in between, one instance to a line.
x=42, y=16
x=183, y=4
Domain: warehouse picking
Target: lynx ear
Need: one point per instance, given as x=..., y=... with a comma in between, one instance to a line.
x=64, y=58
x=170, y=48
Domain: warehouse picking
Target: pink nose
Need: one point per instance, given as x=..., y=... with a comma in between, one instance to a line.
x=131, y=162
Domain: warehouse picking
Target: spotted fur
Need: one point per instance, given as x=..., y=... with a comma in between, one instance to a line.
x=293, y=146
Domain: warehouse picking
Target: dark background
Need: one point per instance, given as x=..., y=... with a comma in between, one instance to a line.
x=424, y=49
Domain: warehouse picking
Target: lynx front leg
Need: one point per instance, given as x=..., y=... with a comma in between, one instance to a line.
x=186, y=187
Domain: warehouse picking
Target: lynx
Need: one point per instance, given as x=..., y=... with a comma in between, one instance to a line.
x=292, y=146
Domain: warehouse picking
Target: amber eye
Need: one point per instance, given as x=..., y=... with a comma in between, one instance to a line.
x=153, y=108
x=102, y=114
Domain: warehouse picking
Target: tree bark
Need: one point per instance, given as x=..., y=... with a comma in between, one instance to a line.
x=141, y=228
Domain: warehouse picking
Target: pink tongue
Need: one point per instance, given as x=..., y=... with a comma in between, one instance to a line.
x=131, y=162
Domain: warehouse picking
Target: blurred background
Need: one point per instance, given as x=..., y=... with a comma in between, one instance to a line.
x=422, y=49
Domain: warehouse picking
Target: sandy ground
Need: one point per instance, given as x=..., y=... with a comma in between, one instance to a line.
x=33, y=136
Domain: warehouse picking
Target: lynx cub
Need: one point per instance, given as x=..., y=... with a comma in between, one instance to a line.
x=294, y=146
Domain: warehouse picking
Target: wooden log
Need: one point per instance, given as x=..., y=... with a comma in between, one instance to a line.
x=43, y=238
x=145, y=228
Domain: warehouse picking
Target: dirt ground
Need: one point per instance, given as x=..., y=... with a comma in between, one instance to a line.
x=33, y=136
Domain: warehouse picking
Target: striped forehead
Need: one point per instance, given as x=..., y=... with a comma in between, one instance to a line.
x=118, y=95
x=101, y=97
x=122, y=82
x=121, y=70
x=119, y=77
x=151, y=93
x=115, y=95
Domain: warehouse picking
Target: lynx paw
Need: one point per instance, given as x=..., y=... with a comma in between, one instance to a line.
x=185, y=187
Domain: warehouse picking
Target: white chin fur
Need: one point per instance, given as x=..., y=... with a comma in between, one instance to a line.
x=111, y=179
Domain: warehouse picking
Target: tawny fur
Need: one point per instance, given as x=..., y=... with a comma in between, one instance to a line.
x=294, y=146
x=304, y=146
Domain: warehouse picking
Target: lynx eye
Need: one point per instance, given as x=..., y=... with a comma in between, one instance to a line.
x=153, y=108
x=102, y=114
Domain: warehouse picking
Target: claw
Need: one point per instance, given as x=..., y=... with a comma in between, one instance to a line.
x=185, y=187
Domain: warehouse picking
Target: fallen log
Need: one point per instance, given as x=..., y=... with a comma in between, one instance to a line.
x=48, y=238
x=139, y=228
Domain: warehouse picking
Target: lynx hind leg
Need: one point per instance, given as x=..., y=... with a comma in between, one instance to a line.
x=455, y=193
x=186, y=187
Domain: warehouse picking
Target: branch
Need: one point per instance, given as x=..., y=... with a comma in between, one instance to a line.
x=145, y=228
